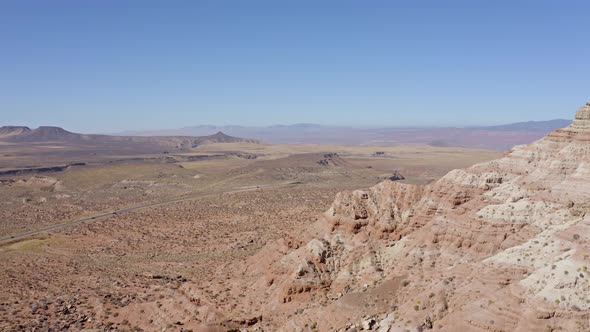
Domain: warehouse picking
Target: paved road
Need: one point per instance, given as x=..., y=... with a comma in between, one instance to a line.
x=137, y=207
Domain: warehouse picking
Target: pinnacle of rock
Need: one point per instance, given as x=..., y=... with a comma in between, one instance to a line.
x=583, y=112
x=582, y=118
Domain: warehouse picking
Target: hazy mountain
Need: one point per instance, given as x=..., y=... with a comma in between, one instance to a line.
x=489, y=137
x=544, y=126
x=8, y=131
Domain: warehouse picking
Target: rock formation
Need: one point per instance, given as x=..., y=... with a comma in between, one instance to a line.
x=396, y=176
x=193, y=142
x=7, y=131
x=44, y=134
x=332, y=159
x=500, y=246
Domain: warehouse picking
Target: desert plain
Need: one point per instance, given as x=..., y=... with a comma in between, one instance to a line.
x=173, y=266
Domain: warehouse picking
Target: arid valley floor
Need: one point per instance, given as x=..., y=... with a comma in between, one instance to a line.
x=294, y=237
x=170, y=266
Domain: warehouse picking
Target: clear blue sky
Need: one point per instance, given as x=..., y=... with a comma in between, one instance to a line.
x=104, y=66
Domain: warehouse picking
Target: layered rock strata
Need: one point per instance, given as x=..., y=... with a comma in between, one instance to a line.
x=500, y=246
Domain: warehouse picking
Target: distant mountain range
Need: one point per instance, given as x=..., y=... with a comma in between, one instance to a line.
x=543, y=126
x=491, y=137
x=43, y=134
x=500, y=137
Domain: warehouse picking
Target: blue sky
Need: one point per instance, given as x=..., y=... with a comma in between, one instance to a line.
x=105, y=66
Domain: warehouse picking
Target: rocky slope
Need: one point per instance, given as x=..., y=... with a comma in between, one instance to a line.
x=500, y=246
x=7, y=131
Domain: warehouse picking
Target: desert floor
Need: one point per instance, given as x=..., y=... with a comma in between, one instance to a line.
x=148, y=264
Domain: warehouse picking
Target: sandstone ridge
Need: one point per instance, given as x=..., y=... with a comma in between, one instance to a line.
x=500, y=246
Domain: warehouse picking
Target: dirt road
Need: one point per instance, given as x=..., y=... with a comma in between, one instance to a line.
x=137, y=207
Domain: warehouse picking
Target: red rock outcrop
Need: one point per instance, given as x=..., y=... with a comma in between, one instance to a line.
x=500, y=246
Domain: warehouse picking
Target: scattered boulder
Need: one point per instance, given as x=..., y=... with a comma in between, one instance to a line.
x=397, y=175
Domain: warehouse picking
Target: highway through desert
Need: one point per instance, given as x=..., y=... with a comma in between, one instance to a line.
x=137, y=207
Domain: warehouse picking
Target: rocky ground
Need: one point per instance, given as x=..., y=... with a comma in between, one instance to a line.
x=133, y=268
x=500, y=246
x=182, y=266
